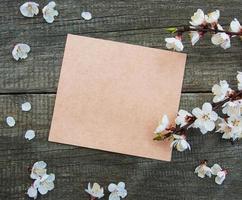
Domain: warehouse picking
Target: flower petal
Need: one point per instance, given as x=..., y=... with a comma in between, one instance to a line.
x=239, y=78
x=207, y=107
x=235, y=26
x=40, y=164
x=122, y=193
x=42, y=190
x=182, y=145
x=30, y=134
x=219, y=180
x=212, y=17
x=197, y=112
x=174, y=43
x=209, y=125
x=121, y=184
x=213, y=116
x=112, y=187
x=86, y=15
x=20, y=51
x=10, y=121
x=226, y=44
x=26, y=106
x=49, y=13
x=163, y=125
x=32, y=192
x=51, y=177
x=198, y=18
x=215, y=169
x=194, y=36
x=114, y=196
x=29, y=9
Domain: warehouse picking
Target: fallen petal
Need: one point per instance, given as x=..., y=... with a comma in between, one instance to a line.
x=30, y=134
x=49, y=12
x=10, y=121
x=86, y=15
x=29, y=9
x=32, y=192
x=20, y=51
x=26, y=106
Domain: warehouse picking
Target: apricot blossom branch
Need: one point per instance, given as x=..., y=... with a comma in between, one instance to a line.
x=207, y=119
x=201, y=24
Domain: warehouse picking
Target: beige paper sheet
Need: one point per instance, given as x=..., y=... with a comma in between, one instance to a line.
x=111, y=96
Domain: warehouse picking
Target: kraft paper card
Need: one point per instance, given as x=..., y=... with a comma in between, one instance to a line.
x=112, y=95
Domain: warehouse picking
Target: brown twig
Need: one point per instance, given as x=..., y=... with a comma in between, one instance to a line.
x=205, y=29
x=92, y=197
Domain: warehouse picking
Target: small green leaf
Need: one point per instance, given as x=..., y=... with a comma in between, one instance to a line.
x=171, y=30
x=158, y=138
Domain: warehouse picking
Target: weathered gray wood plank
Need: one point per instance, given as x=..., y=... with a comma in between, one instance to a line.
x=75, y=167
x=137, y=22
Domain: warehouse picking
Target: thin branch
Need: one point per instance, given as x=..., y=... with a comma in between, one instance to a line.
x=92, y=197
x=205, y=29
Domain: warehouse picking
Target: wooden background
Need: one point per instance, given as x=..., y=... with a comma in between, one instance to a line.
x=35, y=79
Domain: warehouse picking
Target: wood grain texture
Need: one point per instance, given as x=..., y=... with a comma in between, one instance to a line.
x=75, y=167
x=138, y=22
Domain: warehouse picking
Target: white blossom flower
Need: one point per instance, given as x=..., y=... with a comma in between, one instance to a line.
x=49, y=12
x=221, y=39
x=220, y=91
x=231, y=129
x=29, y=9
x=219, y=173
x=233, y=108
x=32, y=192
x=26, y=107
x=236, y=123
x=182, y=117
x=174, y=43
x=38, y=170
x=212, y=17
x=235, y=26
x=180, y=143
x=203, y=170
x=194, y=36
x=42, y=184
x=198, y=18
x=225, y=128
x=163, y=125
x=205, y=118
x=95, y=190
x=86, y=15
x=117, y=191
x=20, y=51
x=30, y=134
x=239, y=78
x=45, y=183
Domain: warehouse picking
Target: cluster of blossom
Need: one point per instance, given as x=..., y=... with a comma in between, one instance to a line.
x=206, y=119
x=43, y=182
x=29, y=9
x=117, y=192
x=203, y=170
x=202, y=24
